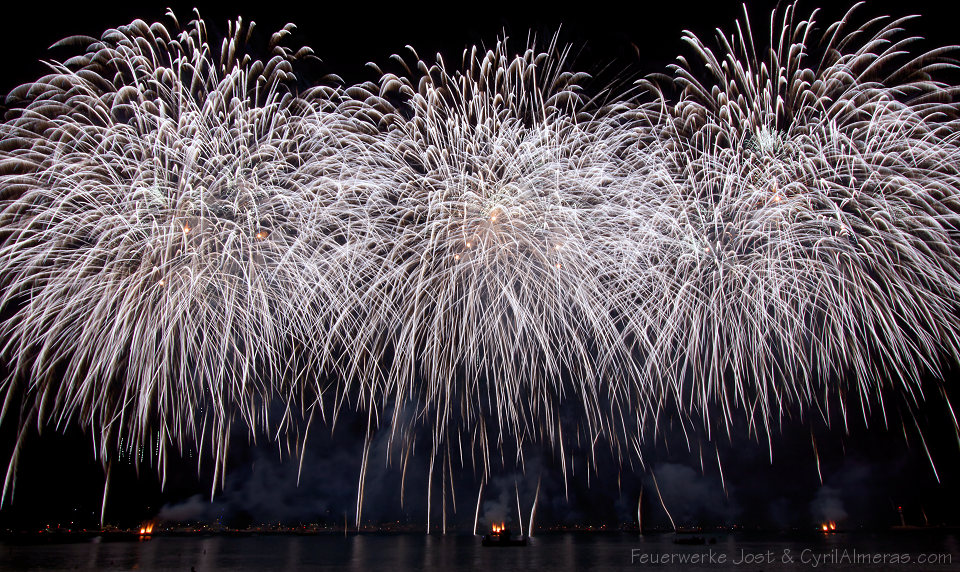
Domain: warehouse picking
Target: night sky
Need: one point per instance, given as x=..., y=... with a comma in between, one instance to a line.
x=867, y=469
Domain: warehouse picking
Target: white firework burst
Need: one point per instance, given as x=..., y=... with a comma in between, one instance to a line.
x=820, y=197
x=497, y=267
x=166, y=236
x=495, y=253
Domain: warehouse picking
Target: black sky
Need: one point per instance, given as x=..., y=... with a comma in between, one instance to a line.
x=346, y=35
x=869, y=470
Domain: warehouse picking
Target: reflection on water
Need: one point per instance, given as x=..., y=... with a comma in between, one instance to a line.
x=560, y=551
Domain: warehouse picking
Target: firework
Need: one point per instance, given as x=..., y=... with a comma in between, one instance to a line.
x=817, y=216
x=167, y=236
x=496, y=254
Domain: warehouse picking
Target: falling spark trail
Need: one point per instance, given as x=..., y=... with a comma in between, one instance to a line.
x=639, y=509
x=533, y=509
x=362, y=479
x=443, y=504
x=723, y=481
x=430, y=490
x=816, y=456
x=657, y=487
x=926, y=450
x=106, y=489
x=476, y=515
x=519, y=513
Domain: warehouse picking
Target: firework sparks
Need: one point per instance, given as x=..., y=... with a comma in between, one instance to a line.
x=189, y=242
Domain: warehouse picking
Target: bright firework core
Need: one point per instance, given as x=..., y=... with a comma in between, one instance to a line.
x=492, y=255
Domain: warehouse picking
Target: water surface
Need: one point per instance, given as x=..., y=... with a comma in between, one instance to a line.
x=926, y=550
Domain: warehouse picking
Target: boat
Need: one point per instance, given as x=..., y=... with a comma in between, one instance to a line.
x=501, y=536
